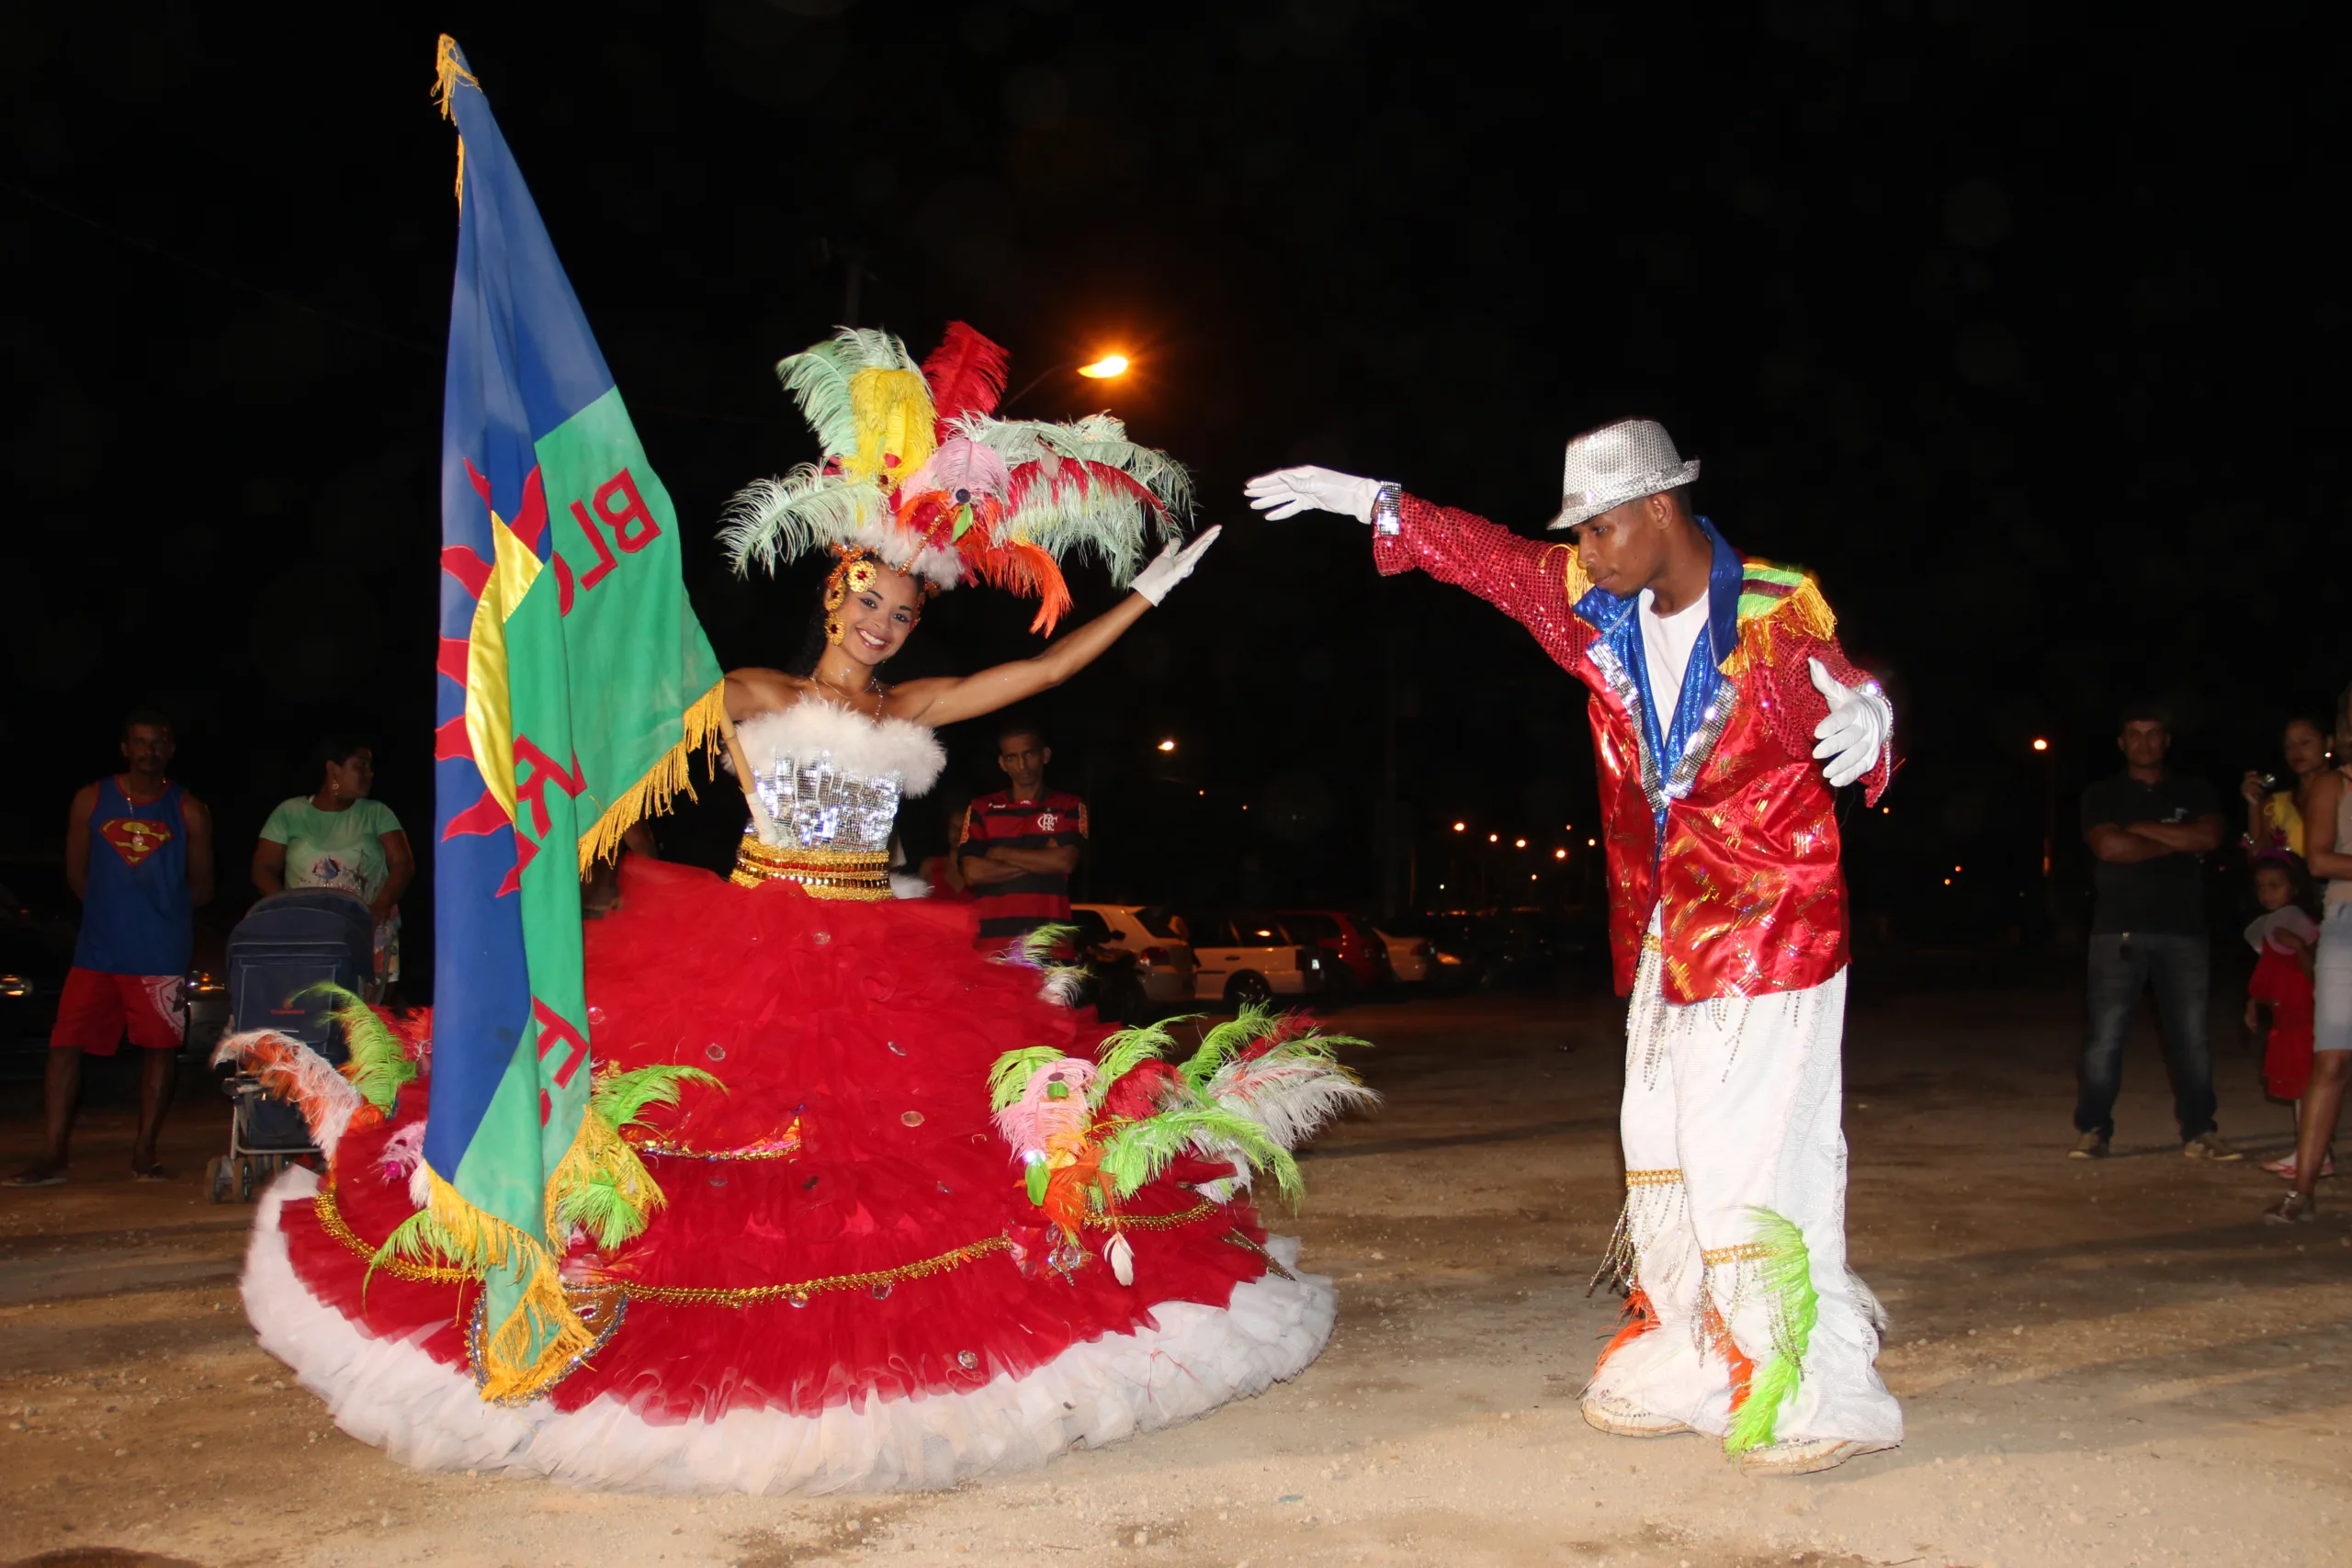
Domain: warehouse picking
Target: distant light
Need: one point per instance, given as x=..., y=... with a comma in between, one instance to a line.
x=1955, y=870
x=1531, y=876
x=1168, y=745
x=1102, y=369
x=1559, y=854
x=1946, y=882
x=2039, y=744
x=1461, y=826
x=1589, y=842
x=1519, y=844
x=1886, y=811
x=1494, y=838
x=1204, y=792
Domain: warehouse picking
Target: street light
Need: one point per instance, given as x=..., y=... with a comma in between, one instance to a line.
x=2039, y=744
x=1519, y=844
x=1108, y=367
x=1168, y=745
x=1494, y=838
x=1461, y=826
x=1559, y=854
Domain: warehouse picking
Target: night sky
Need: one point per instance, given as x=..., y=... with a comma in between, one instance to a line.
x=2019, y=332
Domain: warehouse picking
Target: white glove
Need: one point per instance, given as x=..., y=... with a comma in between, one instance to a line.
x=1855, y=732
x=1173, y=564
x=1290, y=492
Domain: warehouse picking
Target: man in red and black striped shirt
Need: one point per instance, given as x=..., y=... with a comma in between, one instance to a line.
x=1019, y=846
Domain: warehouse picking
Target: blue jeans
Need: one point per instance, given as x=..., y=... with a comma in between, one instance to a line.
x=2121, y=966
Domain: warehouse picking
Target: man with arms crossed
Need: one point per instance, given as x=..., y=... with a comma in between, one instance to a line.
x=1019, y=846
x=2149, y=828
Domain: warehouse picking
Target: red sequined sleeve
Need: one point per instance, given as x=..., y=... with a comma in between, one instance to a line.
x=1525, y=580
x=1805, y=708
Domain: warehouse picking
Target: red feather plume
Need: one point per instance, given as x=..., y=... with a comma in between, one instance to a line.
x=966, y=373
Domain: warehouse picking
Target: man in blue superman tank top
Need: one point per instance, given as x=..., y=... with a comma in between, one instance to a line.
x=139, y=855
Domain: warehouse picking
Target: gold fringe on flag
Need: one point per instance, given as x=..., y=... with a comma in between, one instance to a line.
x=523, y=1355
x=447, y=75
x=705, y=725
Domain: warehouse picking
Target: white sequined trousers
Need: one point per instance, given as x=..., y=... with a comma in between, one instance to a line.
x=1731, y=1106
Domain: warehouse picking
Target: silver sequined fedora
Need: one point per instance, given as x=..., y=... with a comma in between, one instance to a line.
x=1619, y=463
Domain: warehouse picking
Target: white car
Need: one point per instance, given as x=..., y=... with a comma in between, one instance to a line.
x=1408, y=957
x=1250, y=957
x=1153, y=934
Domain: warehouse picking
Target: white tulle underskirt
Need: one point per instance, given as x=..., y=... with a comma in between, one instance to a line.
x=391, y=1393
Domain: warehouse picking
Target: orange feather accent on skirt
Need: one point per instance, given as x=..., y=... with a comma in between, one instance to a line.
x=1640, y=1319
x=1718, y=1338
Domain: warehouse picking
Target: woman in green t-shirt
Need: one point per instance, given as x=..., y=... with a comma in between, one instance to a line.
x=341, y=837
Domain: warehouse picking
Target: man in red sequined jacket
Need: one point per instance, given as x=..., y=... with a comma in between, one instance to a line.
x=1725, y=716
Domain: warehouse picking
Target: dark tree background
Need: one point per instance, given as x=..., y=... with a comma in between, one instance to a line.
x=2018, y=329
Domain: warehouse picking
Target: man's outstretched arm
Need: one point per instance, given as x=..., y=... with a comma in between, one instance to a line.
x=1535, y=583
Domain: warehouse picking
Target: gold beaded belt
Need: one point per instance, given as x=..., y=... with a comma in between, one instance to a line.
x=821, y=873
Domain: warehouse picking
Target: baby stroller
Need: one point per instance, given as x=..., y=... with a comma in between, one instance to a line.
x=285, y=943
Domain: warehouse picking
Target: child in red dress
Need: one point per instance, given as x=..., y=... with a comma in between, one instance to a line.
x=2283, y=936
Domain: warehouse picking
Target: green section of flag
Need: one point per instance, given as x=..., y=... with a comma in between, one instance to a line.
x=607, y=671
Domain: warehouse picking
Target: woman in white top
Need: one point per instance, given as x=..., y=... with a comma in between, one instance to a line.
x=2325, y=805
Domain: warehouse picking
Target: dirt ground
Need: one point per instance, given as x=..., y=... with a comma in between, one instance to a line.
x=2101, y=1363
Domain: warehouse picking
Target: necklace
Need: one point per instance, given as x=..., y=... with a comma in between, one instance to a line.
x=856, y=696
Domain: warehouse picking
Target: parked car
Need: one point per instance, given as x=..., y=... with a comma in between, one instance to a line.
x=1140, y=957
x=1450, y=949
x=1251, y=957
x=35, y=952
x=1412, y=959
x=1362, y=956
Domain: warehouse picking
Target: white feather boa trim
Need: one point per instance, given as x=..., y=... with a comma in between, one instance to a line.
x=812, y=730
x=392, y=1394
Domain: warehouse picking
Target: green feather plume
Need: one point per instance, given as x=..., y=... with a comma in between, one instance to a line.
x=1008, y=1077
x=1138, y=1152
x=420, y=1239
x=1785, y=1274
x=818, y=382
x=1121, y=1053
x=775, y=520
x=1037, y=947
x=379, y=1065
x=621, y=1098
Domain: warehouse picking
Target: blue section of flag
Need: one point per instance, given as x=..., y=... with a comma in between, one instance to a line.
x=522, y=361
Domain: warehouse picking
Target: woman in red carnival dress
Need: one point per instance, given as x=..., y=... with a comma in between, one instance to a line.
x=912, y=1226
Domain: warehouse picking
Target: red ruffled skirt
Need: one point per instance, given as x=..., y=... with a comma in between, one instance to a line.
x=844, y=1226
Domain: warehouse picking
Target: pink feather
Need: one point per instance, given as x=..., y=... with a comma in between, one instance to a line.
x=1033, y=1120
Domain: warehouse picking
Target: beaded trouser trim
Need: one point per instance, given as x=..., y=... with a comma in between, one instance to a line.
x=821, y=873
x=610, y=1296
x=1655, y=1204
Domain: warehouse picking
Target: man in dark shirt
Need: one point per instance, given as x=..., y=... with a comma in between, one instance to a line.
x=2148, y=828
x=1019, y=846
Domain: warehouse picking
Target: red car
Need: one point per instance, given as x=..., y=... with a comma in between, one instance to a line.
x=1364, y=956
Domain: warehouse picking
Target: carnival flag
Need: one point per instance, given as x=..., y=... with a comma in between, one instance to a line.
x=574, y=684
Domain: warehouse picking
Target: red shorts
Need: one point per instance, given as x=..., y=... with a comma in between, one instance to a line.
x=97, y=1009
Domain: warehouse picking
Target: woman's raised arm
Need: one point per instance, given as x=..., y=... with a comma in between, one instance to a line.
x=948, y=699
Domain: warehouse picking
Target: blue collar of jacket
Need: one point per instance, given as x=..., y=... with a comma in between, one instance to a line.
x=1608, y=615
x=1699, y=708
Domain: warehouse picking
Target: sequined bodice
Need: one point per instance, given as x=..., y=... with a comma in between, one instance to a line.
x=815, y=804
x=829, y=779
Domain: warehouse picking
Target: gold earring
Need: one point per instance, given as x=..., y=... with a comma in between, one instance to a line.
x=833, y=630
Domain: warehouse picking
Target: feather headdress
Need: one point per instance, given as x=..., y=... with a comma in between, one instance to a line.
x=919, y=472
